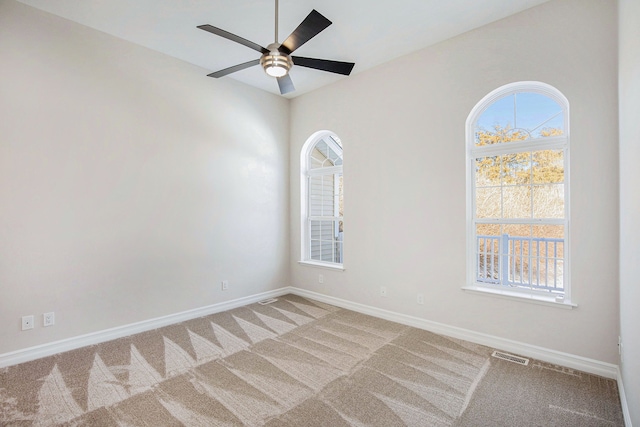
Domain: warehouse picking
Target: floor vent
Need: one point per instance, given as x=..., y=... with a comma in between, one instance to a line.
x=511, y=358
x=268, y=301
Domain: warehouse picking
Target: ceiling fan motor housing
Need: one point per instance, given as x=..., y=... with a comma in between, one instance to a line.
x=276, y=63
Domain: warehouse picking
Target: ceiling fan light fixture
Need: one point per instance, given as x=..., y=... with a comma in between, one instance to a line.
x=276, y=63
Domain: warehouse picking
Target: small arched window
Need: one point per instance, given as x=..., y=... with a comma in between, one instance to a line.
x=518, y=192
x=322, y=200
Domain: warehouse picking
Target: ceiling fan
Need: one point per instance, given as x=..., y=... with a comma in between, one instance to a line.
x=276, y=59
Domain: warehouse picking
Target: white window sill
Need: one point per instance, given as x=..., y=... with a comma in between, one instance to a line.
x=330, y=266
x=522, y=297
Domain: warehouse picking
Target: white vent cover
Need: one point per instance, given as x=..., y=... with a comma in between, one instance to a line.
x=511, y=358
x=268, y=301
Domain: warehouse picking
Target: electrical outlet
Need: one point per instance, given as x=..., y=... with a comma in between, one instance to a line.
x=383, y=291
x=48, y=319
x=420, y=299
x=27, y=322
x=320, y=278
x=225, y=285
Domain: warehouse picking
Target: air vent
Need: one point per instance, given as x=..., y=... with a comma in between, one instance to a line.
x=511, y=358
x=268, y=301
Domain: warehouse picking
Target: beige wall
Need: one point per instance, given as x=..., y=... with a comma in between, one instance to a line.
x=403, y=129
x=130, y=183
x=629, y=15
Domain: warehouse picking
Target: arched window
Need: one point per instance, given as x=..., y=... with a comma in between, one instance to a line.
x=322, y=200
x=518, y=192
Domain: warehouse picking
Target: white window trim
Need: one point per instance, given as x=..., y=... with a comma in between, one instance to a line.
x=329, y=265
x=472, y=152
x=305, y=172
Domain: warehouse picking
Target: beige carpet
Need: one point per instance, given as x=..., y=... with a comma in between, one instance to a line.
x=298, y=363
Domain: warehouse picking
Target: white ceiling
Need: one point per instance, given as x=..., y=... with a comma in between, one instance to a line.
x=364, y=31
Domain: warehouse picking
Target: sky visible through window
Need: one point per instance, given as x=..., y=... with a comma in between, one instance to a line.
x=531, y=111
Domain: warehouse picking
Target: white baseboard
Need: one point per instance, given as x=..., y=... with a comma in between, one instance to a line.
x=563, y=359
x=49, y=349
x=584, y=364
x=623, y=401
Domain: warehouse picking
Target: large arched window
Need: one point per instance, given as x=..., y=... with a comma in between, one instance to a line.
x=518, y=193
x=322, y=200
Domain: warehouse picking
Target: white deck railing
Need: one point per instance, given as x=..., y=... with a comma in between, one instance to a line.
x=525, y=262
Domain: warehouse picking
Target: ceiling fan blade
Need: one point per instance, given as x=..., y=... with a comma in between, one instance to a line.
x=235, y=68
x=285, y=84
x=337, y=67
x=233, y=37
x=312, y=25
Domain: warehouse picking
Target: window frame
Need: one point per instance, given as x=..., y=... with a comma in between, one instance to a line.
x=306, y=172
x=536, y=144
